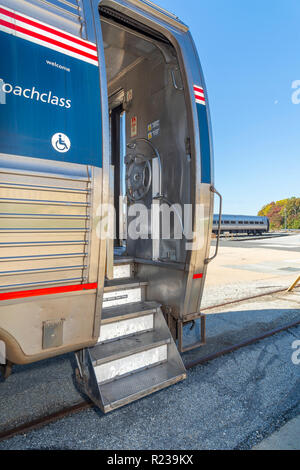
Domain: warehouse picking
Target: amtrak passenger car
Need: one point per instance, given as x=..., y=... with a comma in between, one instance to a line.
x=102, y=102
x=249, y=225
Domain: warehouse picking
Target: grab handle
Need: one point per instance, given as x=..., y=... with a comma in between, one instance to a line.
x=209, y=260
x=177, y=87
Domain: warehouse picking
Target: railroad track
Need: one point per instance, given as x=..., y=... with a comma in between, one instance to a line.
x=84, y=405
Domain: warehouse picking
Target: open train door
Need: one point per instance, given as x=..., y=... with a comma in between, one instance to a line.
x=154, y=74
x=162, y=187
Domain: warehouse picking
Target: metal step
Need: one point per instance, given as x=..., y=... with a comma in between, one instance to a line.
x=122, y=271
x=128, y=311
x=113, y=370
x=131, y=388
x=129, y=327
x=121, y=260
x=132, y=365
x=119, y=285
x=120, y=292
x=127, y=320
x=114, y=350
x=123, y=267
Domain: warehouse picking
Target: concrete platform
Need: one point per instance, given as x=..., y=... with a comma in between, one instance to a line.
x=255, y=261
x=287, y=438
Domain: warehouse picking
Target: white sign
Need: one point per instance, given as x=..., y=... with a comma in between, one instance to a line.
x=61, y=142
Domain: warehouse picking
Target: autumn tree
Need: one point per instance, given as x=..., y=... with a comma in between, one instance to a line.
x=277, y=212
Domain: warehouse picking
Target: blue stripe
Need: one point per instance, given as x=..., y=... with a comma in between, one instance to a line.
x=205, y=144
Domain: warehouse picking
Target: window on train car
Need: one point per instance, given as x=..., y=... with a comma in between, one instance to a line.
x=226, y=222
x=241, y=222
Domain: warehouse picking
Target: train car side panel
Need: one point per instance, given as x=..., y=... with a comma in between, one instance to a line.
x=51, y=181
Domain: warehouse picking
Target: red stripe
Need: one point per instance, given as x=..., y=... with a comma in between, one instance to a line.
x=198, y=276
x=200, y=98
x=47, y=29
x=46, y=291
x=198, y=88
x=50, y=41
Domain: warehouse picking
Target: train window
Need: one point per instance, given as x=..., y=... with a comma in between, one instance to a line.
x=262, y=223
x=233, y=222
x=241, y=222
x=226, y=222
x=252, y=223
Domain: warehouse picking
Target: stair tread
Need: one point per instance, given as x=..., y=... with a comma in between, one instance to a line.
x=128, y=389
x=113, y=350
x=125, y=311
x=122, y=284
x=119, y=260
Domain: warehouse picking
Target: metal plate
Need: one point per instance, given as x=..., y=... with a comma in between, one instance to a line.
x=53, y=334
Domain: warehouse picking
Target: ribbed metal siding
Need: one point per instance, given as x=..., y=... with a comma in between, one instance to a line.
x=44, y=230
x=72, y=6
x=64, y=14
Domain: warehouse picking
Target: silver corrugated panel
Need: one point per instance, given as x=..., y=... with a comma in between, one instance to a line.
x=44, y=230
x=64, y=14
x=66, y=4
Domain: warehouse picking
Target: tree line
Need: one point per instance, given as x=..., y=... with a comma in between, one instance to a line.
x=283, y=214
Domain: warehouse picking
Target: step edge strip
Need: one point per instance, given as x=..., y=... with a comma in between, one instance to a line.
x=127, y=316
x=121, y=287
x=131, y=352
x=147, y=392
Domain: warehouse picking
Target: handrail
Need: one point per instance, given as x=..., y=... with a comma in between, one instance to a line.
x=209, y=260
x=179, y=88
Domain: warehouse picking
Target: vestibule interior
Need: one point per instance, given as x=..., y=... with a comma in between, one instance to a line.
x=149, y=125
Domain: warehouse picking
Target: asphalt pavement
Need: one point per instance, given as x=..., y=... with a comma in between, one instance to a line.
x=233, y=402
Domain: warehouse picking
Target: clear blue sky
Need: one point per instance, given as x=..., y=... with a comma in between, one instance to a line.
x=250, y=54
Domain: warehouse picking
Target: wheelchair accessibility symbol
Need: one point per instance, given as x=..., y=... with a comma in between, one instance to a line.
x=61, y=142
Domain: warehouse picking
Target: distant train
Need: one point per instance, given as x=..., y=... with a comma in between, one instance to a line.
x=242, y=224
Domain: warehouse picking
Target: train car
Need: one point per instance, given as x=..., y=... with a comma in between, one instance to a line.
x=236, y=224
x=104, y=111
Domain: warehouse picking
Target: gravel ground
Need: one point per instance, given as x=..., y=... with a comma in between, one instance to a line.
x=230, y=403
x=228, y=292
x=236, y=323
x=37, y=390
